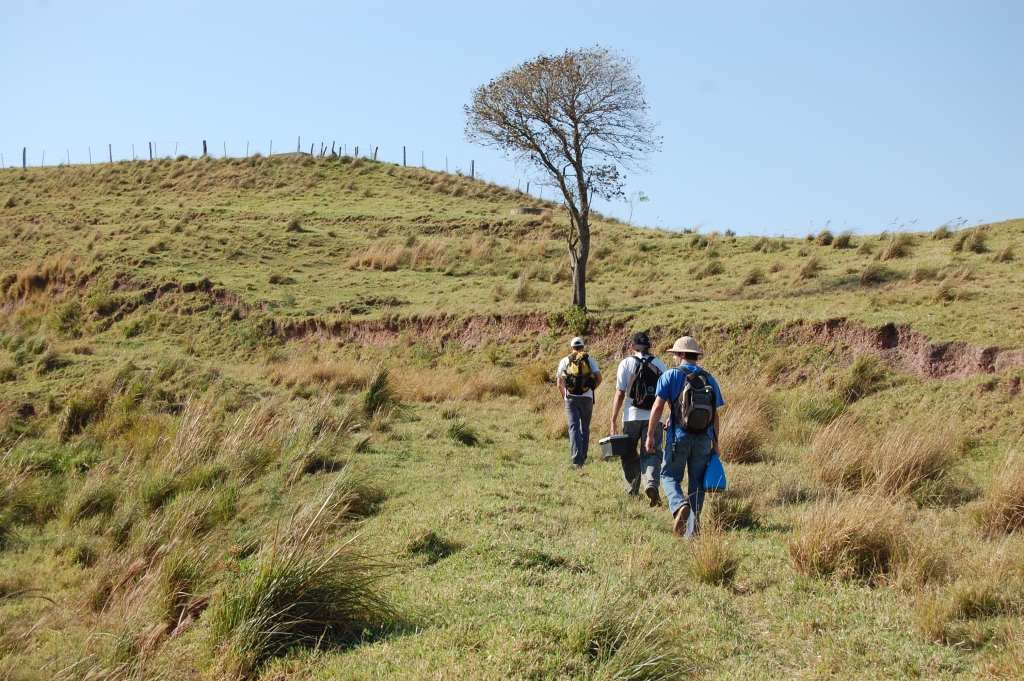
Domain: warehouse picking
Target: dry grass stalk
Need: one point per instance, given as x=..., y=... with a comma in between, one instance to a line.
x=896, y=246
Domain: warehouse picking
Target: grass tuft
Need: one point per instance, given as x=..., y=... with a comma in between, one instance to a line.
x=381, y=397
x=896, y=246
x=1002, y=509
x=745, y=428
x=712, y=558
x=843, y=240
x=461, y=431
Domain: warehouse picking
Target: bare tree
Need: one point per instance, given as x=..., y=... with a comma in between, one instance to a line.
x=578, y=119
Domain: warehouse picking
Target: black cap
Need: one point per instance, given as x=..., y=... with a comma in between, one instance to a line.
x=640, y=340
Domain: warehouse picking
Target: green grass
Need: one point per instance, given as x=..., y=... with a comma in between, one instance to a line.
x=291, y=417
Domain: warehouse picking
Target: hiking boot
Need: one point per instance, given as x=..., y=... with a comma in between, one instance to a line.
x=652, y=494
x=577, y=466
x=679, y=524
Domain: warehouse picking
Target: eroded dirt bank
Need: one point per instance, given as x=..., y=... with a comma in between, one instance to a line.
x=896, y=344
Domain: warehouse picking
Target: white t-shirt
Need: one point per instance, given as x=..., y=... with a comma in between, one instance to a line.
x=624, y=381
x=564, y=364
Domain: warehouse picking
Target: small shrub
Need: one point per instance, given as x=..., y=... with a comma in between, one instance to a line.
x=896, y=246
x=863, y=538
x=843, y=240
x=824, y=238
x=576, y=320
x=1002, y=509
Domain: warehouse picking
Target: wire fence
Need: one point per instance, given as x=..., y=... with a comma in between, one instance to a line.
x=158, y=150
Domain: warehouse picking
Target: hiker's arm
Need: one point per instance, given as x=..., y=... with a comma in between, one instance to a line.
x=598, y=379
x=561, y=387
x=620, y=397
x=652, y=425
x=718, y=434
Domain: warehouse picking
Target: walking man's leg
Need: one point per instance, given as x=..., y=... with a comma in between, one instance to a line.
x=650, y=465
x=672, y=472
x=700, y=455
x=586, y=412
x=572, y=414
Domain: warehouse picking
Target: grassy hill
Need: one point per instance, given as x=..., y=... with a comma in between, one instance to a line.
x=294, y=416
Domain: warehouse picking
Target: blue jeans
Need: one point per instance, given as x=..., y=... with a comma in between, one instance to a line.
x=686, y=454
x=579, y=409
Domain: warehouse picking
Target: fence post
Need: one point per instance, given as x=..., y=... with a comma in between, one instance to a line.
x=90, y=155
x=204, y=147
x=225, y=150
x=375, y=153
x=110, y=148
x=69, y=156
x=133, y=152
x=472, y=170
x=298, y=146
x=271, y=149
x=150, y=151
x=356, y=153
x=403, y=155
x=247, y=150
x=423, y=163
x=311, y=149
x=24, y=158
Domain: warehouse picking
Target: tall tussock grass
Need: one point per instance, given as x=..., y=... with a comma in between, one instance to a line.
x=713, y=558
x=862, y=538
x=746, y=426
x=848, y=454
x=1002, y=508
x=623, y=643
x=296, y=592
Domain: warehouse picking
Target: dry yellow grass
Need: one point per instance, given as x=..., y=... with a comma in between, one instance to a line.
x=745, y=423
x=1002, y=510
x=864, y=537
x=849, y=455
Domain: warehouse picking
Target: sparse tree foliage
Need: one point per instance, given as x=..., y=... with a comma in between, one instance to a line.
x=579, y=119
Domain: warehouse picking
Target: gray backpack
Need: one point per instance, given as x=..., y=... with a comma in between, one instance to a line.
x=694, y=408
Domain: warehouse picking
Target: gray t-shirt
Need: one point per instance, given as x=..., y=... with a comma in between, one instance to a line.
x=624, y=381
x=565, y=363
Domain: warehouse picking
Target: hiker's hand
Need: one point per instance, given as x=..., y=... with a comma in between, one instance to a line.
x=649, y=445
x=613, y=428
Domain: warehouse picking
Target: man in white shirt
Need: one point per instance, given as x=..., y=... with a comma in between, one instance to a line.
x=635, y=384
x=578, y=376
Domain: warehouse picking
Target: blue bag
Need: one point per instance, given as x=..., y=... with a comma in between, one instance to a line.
x=714, y=476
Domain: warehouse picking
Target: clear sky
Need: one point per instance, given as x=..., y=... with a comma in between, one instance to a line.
x=776, y=116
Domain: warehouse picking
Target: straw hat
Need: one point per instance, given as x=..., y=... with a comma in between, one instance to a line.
x=686, y=344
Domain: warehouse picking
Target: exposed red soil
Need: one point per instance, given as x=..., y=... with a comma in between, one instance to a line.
x=896, y=344
x=909, y=350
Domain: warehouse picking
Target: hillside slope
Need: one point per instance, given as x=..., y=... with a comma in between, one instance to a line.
x=294, y=417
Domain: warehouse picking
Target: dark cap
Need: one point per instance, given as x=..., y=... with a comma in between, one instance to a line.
x=640, y=340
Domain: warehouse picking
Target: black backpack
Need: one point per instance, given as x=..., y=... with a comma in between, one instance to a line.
x=645, y=382
x=694, y=408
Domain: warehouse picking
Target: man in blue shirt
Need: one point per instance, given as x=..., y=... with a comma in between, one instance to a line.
x=685, y=451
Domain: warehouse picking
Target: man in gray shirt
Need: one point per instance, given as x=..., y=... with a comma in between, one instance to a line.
x=635, y=384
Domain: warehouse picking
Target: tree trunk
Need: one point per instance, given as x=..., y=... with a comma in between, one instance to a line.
x=579, y=264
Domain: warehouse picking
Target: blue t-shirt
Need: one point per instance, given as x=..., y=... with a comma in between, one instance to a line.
x=671, y=384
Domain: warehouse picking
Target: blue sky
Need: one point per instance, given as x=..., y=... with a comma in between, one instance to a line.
x=776, y=116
